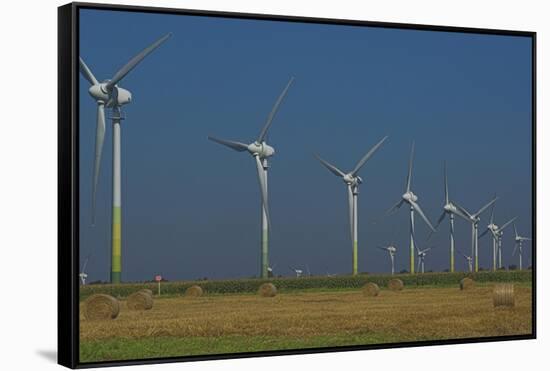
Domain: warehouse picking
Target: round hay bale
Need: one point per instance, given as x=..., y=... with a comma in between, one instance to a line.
x=147, y=291
x=267, y=290
x=101, y=307
x=467, y=283
x=140, y=300
x=503, y=295
x=371, y=289
x=395, y=284
x=193, y=291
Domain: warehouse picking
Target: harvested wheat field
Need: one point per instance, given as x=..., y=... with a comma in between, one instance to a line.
x=217, y=324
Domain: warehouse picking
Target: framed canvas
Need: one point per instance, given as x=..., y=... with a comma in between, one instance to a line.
x=401, y=206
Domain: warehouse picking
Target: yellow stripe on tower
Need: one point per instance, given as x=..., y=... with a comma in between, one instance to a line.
x=116, y=263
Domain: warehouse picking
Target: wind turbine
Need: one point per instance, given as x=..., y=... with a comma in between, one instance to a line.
x=261, y=152
x=270, y=269
x=492, y=227
x=298, y=272
x=451, y=210
x=391, y=250
x=82, y=273
x=410, y=198
x=469, y=260
x=499, y=232
x=519, y=246
x=474, y=220
x=352, y=181
x=421, y=257
x=108, y=94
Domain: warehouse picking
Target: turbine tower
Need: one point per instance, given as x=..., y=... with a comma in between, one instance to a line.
x=474, y=220
x=261, y=152
x=469, y=260
x=352, y=181
x=108, y=94
x=519, y=246
x=391, y=250
x=499, y=232
x=410, y=198
x=492, y=227
x=421, y=257
x=451, y=210
x=82, y=273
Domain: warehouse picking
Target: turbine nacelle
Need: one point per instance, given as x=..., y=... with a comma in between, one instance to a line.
x=100, y=93
x=261, y=149
x=450, y=208
x=409, y=196
x=349, y=179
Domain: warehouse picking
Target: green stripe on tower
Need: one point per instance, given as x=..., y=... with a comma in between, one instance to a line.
x=412, y=260
x=116, y=257
x=265, y=262
x=354, y=257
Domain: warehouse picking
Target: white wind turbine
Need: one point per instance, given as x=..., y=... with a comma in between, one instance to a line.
x=270, y=269
x=474, y=220
x=499, y=232
x=352, y=181
x=82, y=273
x=108, y=94
x=391, y=250
x=410, y=198
x=261, y=152
x=422, y=257
x=451, y=210
x=492, y=227
x=298, y=272
x=519, y=246
x=469, y=260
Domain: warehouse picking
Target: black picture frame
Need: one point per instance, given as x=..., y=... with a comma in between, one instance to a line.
x=68, y=180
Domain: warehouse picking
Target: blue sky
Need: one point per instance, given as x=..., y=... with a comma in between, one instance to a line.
x=191, y=207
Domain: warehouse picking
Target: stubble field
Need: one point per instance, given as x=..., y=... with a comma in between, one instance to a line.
x=218, y=324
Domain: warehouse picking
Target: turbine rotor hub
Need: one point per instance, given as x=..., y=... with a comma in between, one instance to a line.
x=409, y=196
x=450, y=208
x=261, y=149
x=351, y=180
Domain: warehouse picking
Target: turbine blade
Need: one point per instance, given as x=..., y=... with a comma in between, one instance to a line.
x=463, y=210
x=515, y=248
x=237, y=146
x=87, y=73
x=333, y=169
x=440, y=219
x=460, y=213
x=132, y=63
x=485, y=207
x=350, y=204
x=99, y=139
x=483, y=234
x=507, y=223
x=437, y=224
x=493, y=211
x=516, y=231
x=409, y=175
x=419, y=210
x=395, y=207
x=446, y=183
x=367, y=156
x=85, y=263
x=263, y=188
x=263, y=133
